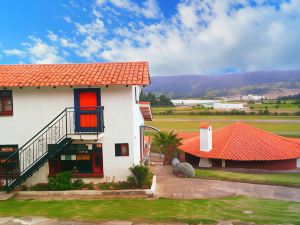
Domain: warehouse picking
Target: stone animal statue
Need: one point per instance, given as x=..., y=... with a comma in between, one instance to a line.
x=185, y=169
x=147, y=161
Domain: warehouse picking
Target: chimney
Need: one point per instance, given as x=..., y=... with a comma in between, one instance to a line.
x=205, y=137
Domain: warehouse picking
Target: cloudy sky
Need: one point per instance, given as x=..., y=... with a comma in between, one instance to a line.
x=176, y=37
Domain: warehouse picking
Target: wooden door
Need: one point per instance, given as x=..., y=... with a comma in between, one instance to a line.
x=97, y=162
x=87, y=111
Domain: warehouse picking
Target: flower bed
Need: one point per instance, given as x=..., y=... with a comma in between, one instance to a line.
x=88, y=194
x=141, y=178
x=2, y=188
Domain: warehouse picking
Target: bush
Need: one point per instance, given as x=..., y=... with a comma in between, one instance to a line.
x=297, y=113
x=141, y=176
x=78, y=184
x=169, y=112
x=61, y=181
x=39, y=187
x=131, y=181
x=2, y=188
x=23, y=187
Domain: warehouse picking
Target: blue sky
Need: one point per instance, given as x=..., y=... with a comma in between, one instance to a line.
x=176, y=37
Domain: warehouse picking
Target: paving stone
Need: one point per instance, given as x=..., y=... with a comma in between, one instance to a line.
x=117, y=222
x=33, y=221
x=160, y=224
x=171, y=186
x=225, y=223
x=5, y=220
x=68, y=222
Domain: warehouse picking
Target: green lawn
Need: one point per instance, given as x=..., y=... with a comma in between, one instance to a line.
x=273, y=106
x=228, y=117
x=292, y=180
x=286, y=129
x=161, y=210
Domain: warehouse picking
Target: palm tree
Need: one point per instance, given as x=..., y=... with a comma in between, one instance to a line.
x=168, y=143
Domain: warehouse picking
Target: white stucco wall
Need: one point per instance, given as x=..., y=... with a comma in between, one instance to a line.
x=206, y=139
x=298, y=163
x=34, y=108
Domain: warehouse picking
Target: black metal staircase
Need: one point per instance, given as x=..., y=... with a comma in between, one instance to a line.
x=53, y=138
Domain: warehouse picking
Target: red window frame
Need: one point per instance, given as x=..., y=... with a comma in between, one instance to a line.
x=4, y=99
x=118, y=149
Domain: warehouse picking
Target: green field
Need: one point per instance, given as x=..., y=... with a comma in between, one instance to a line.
x=288, y=106
x=271, y=106
x=283, y=128
x=208, y=211
x=282, y=125
x=291, y=180
x=229, y=117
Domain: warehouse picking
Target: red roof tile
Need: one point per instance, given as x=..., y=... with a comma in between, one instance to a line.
x=204, y=125
x=89, y=74
x=242, y=142
x=146, y=110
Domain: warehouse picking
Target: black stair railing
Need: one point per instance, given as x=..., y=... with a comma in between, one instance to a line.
x=62, y=126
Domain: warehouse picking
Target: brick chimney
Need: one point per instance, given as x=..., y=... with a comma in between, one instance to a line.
x=205, y=137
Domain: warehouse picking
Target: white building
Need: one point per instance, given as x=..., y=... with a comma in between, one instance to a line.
x=252, y=97
x=191, y=102
x=55, y=118
x=225, y=106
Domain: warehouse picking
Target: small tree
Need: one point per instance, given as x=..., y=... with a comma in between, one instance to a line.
x=168, y=143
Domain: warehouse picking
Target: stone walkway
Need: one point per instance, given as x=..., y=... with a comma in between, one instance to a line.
x=171, y=186
x=45, y=221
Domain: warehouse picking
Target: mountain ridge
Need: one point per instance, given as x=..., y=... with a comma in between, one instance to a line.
x=227, y=85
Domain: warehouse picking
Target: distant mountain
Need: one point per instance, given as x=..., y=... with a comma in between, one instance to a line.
x=261, y=83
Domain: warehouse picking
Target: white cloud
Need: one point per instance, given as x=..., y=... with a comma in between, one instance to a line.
x=203, y=36
x=90, y=48
x=52, y=36
x=211, y=36
x=188, y=15
x=67, y=43
x=148, y=8
x=68, y=19
x=41, y=53
x=91, y=29
x=13, y=52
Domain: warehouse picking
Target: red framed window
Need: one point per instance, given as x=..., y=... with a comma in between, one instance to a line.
x=6, y=103
x=122, y=149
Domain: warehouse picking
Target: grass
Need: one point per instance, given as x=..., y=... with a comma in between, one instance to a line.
x=289, y=107
x=239, y=208
x=286, y=129
x=291, y=180
x=228, y=117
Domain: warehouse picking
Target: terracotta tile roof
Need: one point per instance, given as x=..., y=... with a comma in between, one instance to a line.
x=147, y=139
x=187, y=135
x=146, y=110
x=242, y=142
x=89, y=74
x=204, y=125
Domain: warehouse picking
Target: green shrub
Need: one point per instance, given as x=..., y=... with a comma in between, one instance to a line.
x=39, y=187
x=61, y=181
x=124, y=185
x=103, y=186
x=90, y=186
x=23, y=187
x=2, y=188
x=141, y=176
x=78, y=184
x=131, y=181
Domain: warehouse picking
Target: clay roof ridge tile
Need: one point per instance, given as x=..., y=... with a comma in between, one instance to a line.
x=229, y=138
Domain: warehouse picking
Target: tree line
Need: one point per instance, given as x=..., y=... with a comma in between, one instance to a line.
x=161, y=100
